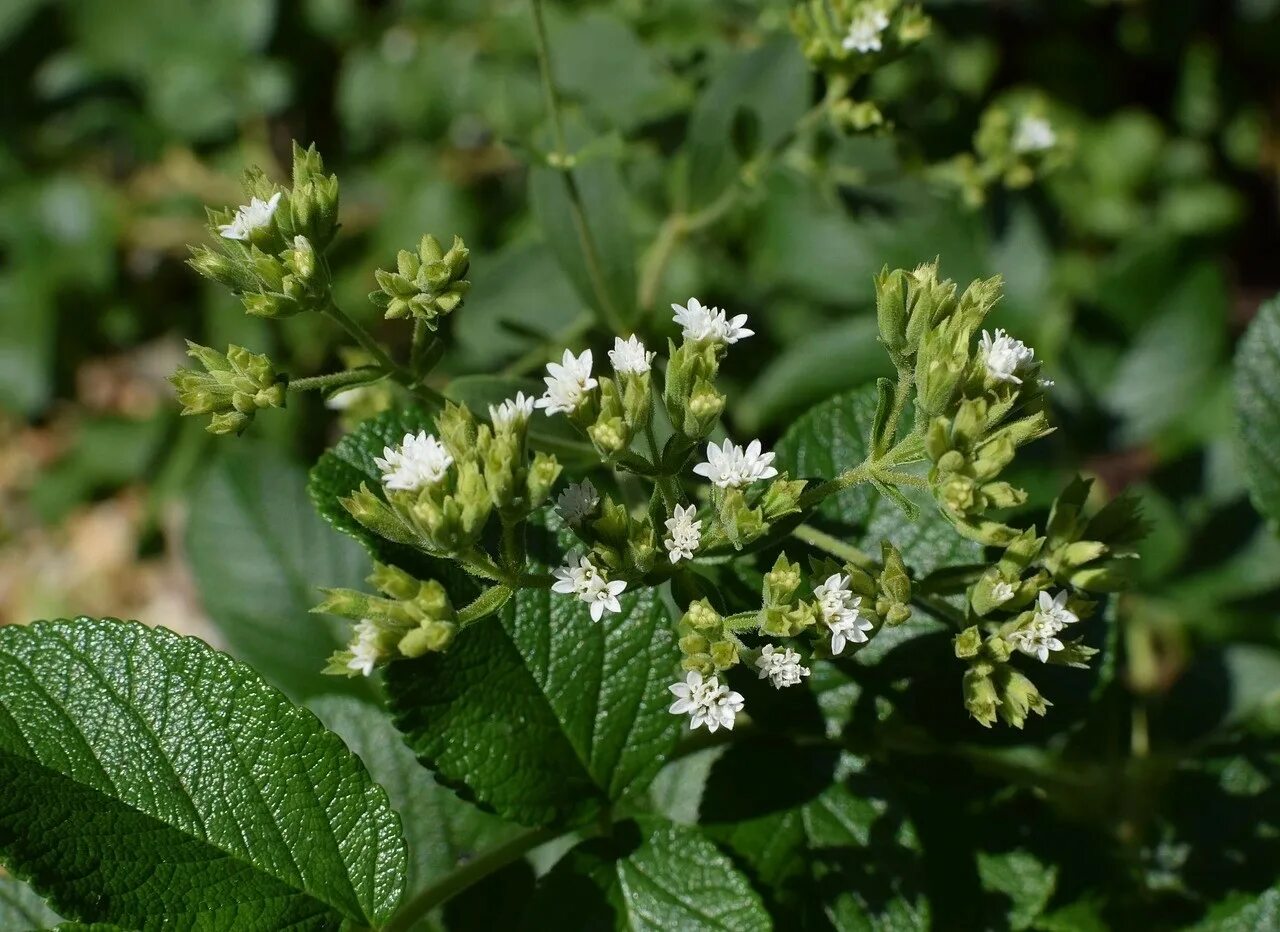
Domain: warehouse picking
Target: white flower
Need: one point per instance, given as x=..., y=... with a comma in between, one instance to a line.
x=576, y=579
x=839, y=608
x=1004, y=356
x=251, y=217
x=629, y=355
x=701, y=323
x=578, y=502
x=1033, y=134
x=512, y=411
x=781, y=667
x=568, y=382
x=684, y=535
x=365, y=652
x=1001, y=592
x=706, y=702
x=864, y=32
x=586, y=582
x=419, y=461
x=730, y=466
x=1055, y=609
x=604, y=598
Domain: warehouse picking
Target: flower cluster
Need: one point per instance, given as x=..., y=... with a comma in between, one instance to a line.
x=232, y=388
x=706, y=701
x=581, y=578
x=427, y=284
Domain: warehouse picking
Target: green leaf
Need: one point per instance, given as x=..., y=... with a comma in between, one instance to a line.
x=1022, y=878
x=832, y=437
x=539, y=713
x=151, y=781
x=1243, y=913
x=611, y=277
x=22, y=908
x=772, y=84
x=341, y=470
x=442, y=831
x=259, y=553
x=1257, y=383
x=652, y=875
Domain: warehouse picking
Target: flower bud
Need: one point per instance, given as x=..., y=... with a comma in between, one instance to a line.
x=781, y=582
x=980, y=697
x=233, y=387
x=782, y=498
x=543, y=473
x=701, y=616
x=724, y=654
x=968, y=643
x=427, y=285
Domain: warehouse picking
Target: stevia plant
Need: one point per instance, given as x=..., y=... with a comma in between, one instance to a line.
x=571, y=585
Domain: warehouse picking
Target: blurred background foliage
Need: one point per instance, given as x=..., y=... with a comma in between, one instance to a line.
x=1133, y=271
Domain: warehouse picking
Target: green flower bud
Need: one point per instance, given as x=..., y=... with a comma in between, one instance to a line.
x=427, y=285
x=781, y=582
x=968, y=643
x=456, y=427
x=313, y=201
x=782, y=497
x=893, y=307
x=894, y=579
x=225, y=269
x=1018, y=696
x=701, y=616
x=694, y=643
x=233, y=387
x=704, y=408
x=610, y=435
x=430, y=637
x=980, y=697
x=543, y=473
x=376, y=515
x=724, y=654
x=394, y=581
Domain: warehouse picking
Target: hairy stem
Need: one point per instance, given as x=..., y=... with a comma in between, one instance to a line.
x=381, y=358
x=322, y=383
x=612, y=317
x=467, y=874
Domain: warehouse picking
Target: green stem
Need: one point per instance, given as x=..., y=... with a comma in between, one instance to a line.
x=466, y=874
x=360, y=376
x=832, y=545
x=484, y=605
x=612, y=317
x=424, y=341
x=384, y=361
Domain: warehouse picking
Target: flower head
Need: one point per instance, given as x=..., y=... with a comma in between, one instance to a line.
x=730, y=466
x=701, y=323
x=578, y=502
x=1033, y=134
x=251, y=217
x=839, y=609
x=589, y=584
x=706, y=701
x=781, y=667
x=1004, y=356
x=511, y=412
x=1001, y=592
x=1054, y=609
x=864, y=31
x=1039, y=636
x=420, y=460
x=365, y=649
x=629, y=355
x=568, y=382
x=684, y=535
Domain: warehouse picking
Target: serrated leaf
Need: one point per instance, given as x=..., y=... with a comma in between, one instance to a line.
x=540, y=713
x=152, y=781
x=259, y=555
x=652, y=875
x=344, y=466
x=1021, y=877
x=21, y=908
x=442, y=831
x=832, y=437
x=1243, y=913
x=1257, y=385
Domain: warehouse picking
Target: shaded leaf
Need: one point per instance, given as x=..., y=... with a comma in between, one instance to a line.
x=1257, y=384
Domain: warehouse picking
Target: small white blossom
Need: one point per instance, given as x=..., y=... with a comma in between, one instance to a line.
x=865, y=30
x=1038, y=637
x=1054, y=609
x=730, y=466
x=568, y=382
x=781, y=667
x=629, y=355
x=1033, y=134
x=701, y=323
x=684, y=535
x=1001, y=592
x=707, y=702
x=420, y=460
x=251, y=217
x=1004, y=356
x=839, y=608
x=584, y=580
x=513, y=411
x=576, y=578
x=578, y=502
x=365, y=652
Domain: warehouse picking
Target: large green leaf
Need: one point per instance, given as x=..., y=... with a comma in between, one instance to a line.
x=1258, y=407
x=21, y=908
x=832, y=437
x=442, y=830
x=153, y=782
x=758, y=94
x=259, y=553
x=1243, y=913
x=539, y=713
x=652, y=875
